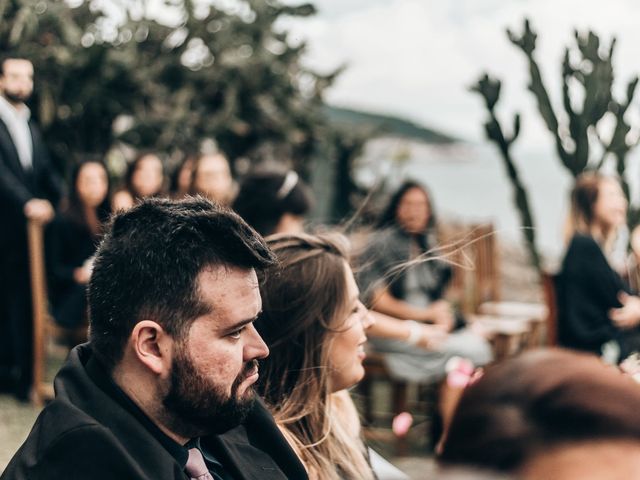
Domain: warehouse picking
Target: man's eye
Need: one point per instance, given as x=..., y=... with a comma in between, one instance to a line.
x=236, y=333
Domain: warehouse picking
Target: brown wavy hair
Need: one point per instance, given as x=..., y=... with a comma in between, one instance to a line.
x=584, y=196
x=304, y=297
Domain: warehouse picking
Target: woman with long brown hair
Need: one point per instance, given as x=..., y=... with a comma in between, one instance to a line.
x=314, y=325
x=144, y=178
x=73, y=237
x=402, y=278
x=595, y=306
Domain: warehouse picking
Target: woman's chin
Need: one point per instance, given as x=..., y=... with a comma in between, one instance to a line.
x=348, y=381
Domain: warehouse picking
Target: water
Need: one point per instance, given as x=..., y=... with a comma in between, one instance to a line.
x=468, y=182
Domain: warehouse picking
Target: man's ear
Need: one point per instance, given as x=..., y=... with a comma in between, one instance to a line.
x=152, y=346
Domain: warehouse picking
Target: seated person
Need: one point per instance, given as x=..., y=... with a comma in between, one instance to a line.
x=314, y=325
x=168, y=372
x=273, y=202
x=72, y=241
x=211, y=178
x=401, y=280
x=144, y=179
x=595, y=306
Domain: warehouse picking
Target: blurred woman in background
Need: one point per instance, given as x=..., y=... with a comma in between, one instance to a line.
x=273, y=202
x=73, y=238
x=144, y=178
x=595, y=306
x=401, y=279
x=211, y=178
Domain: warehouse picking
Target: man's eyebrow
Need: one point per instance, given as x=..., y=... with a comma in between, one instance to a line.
x=240, y=324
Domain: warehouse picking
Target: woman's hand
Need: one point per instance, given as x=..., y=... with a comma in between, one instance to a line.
x=441, y=314
x=432, y=337
x=627, y=316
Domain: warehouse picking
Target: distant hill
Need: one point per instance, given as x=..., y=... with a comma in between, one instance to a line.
x=385, y=125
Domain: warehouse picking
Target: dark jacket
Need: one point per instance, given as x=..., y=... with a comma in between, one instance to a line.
x=69, y=245
x=587, y=288
x=86, y=434
x=17, y=186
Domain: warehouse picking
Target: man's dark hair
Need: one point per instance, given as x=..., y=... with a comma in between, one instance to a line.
x=148, y=263
x=11, y=56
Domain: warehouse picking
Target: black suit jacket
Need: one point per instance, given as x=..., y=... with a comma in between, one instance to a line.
x=18, y=187
x=85, y=434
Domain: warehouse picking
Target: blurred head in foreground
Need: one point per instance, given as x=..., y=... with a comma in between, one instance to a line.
x=544, y=401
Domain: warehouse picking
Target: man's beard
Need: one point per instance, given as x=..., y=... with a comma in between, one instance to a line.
x=15, y=97
x=196, y=406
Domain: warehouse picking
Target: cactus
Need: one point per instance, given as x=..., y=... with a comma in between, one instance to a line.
x=489, y=89
x=594, y=72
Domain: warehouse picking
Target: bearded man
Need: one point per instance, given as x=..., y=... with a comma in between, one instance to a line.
x=29, y=189
x=163, y=389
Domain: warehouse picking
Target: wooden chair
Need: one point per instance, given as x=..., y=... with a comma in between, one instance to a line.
x=46, y=333
x=534, y=315
x=508, y=336
x=376, y=371
x=472, y=252
x=549, y=285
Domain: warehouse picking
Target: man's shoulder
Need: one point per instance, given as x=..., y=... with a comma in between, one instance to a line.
x=68, y=443
x=59, y=419
x=58, y=434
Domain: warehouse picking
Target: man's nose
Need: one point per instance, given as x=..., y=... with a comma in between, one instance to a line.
x=255, y=347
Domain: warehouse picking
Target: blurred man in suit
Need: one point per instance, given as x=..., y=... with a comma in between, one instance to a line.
x=29, y=189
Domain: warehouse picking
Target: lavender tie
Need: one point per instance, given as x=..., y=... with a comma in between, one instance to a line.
x=196, y=468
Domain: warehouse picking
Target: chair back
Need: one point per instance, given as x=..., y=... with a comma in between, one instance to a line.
x=549, y=287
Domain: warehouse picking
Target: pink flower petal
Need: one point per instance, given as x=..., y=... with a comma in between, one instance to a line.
x=401, y=424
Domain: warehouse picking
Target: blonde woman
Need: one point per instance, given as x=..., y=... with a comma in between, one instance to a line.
x=314, y=324
x=596, y=309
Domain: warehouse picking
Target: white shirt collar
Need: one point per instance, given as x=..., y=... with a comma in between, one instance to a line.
x=6, y=108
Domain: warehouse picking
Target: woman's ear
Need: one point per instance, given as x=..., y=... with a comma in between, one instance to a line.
x=152, y=346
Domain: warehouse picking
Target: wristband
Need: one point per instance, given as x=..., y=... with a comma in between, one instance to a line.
x=415, y=332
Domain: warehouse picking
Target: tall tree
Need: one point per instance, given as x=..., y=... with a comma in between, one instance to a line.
x=489, y=89
x=589, y=66
x=220, y=70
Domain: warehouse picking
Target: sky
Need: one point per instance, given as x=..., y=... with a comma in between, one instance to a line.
x=417, y=58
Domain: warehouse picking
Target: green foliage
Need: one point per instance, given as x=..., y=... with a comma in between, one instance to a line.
x=227, y=74
x=574, y=130
x=79, y=91
x=489, y=89
x=587, y=65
